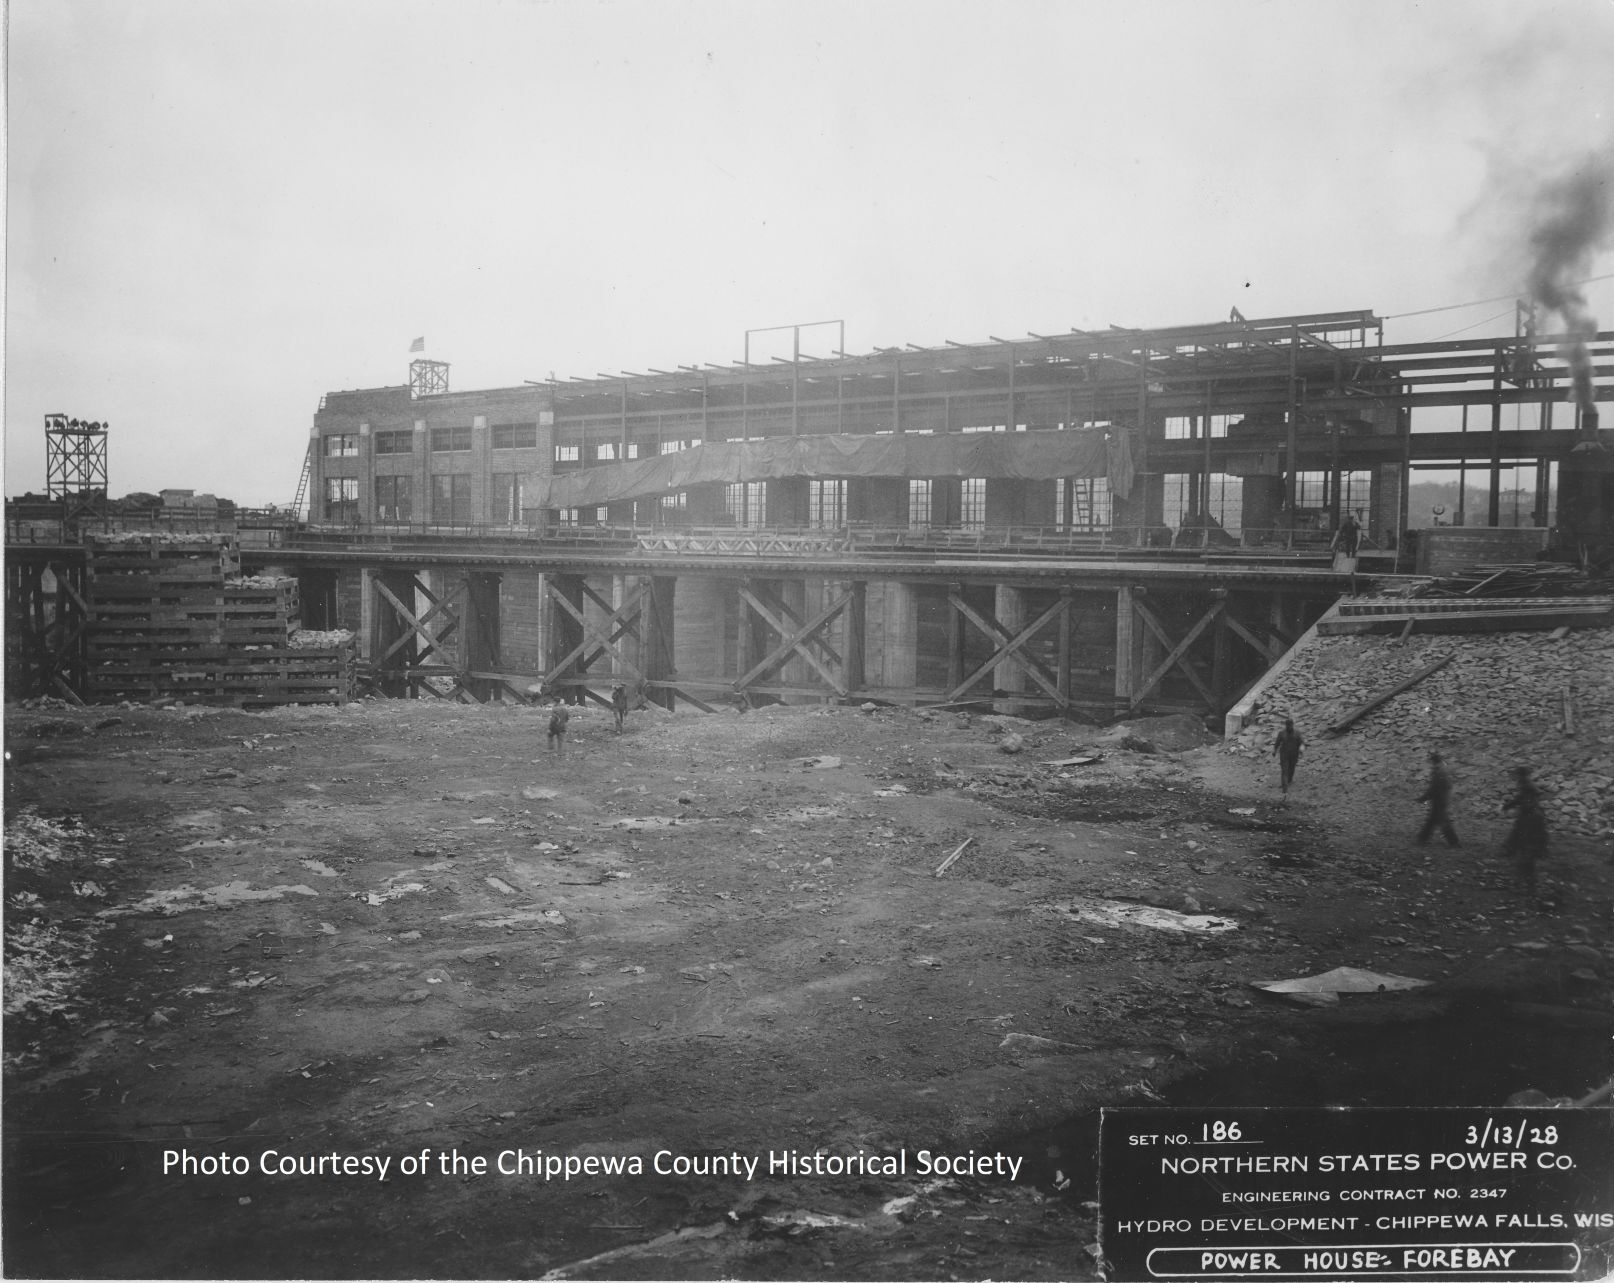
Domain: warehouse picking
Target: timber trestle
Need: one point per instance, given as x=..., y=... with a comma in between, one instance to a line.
x=1042, y=637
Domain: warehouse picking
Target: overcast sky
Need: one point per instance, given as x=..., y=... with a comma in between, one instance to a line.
x=219, y=211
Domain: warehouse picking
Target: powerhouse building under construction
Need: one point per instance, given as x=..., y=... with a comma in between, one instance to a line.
x=1082, y=521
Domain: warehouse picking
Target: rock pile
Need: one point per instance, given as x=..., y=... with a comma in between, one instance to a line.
x=1500, y=703
x=316, y=639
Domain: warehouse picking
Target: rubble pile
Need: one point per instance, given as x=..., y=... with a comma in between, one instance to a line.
x=166, y=538
x=1500, y=703
x=47, y=943
x=315, y=639
x=259, y=581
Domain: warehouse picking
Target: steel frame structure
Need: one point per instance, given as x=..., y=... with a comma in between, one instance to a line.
x=75, y=458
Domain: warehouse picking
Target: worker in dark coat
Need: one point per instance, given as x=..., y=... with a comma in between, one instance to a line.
x=559, y=715
x=1287, y=746
x=1438, y=795
x=619, y=705
x=1527, y=842
x=1348, y=538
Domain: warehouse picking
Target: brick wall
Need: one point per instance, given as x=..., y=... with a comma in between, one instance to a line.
x=1442, y=551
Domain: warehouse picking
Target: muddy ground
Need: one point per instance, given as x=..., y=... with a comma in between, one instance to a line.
x=405, y=927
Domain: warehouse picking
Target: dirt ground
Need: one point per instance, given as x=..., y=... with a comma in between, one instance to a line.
x=406, y=928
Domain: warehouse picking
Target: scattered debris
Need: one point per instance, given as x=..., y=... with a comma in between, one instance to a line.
x=1035, y=1043
x=947, y=863
x=184, y=899
x=1119, y=913
x=1324, y=989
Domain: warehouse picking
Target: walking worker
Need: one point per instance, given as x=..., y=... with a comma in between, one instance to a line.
x=1438, y=795
x=619, y=705
x=559, y=715
x=1347, y=539
x=1527, y=842
x=1287, y=746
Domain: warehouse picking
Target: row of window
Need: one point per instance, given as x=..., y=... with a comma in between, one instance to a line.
x=617, y=451
x=506, y=436
x=1080, y=503
x=450, y=499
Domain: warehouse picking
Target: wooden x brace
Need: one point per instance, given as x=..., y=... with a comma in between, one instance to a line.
x=796, y=640
x=605, y=637
x=417, y=627
x=1011, y=647
x=1177, y=652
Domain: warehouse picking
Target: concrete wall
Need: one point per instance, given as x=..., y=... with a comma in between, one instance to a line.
x=703, y=611
x=1263, y=505
x=1384, y=522
x=521, y=622
x=892, y=635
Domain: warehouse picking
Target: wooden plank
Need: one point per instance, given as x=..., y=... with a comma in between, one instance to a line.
x=1362, y=710
x=1245, y=635
x=1468, y=621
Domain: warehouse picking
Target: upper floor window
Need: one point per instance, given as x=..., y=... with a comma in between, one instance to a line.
x=342, y=499
x=515, y=436
x=446, y=439
x=567, y=454
x=826, y=504
x=341, y=445
x=395, y=442
x=394, y=497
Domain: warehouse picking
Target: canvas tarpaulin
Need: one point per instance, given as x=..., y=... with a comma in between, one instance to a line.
x=1026, y=456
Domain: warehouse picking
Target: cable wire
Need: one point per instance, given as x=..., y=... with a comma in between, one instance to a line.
x=1453, y=307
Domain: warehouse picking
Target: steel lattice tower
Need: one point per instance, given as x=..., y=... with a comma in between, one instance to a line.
x=75, y=457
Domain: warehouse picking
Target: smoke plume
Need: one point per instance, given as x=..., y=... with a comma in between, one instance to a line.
x=1573, y=218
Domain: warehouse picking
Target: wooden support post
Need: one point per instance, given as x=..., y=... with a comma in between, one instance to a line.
x=1221, y=667
x=1126, y=644
x=955, y=639
x=1065, y=626
x=857, y=615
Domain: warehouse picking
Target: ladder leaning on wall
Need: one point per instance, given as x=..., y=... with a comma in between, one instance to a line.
x=302, y=483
